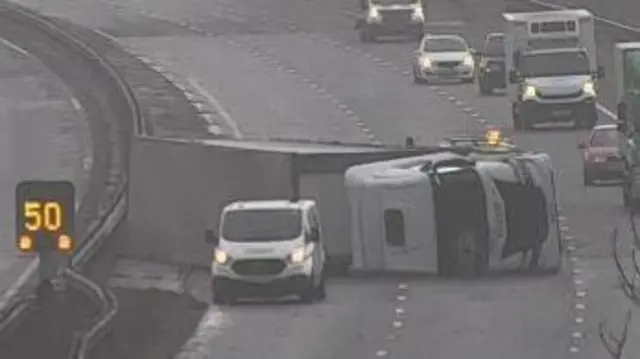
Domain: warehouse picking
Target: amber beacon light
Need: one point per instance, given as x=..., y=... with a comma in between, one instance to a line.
x=45, y=216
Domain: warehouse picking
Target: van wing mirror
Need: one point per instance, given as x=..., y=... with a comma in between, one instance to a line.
x=622, y=111
x=314, y=235
x=210, y=237
x=513, y=76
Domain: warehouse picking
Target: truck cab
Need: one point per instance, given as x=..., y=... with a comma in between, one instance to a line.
x=626, y=66
x=551, y=67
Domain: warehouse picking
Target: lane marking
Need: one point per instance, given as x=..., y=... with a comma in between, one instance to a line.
x=14, y=47
x=208, y=328
x=218, y=107
x=76, y=104
x=14, y=288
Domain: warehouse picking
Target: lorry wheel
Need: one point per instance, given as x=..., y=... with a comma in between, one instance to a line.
x=321, y=290
x=365, y=37
x=587, y=179
x=517, y=124
x=527, y=123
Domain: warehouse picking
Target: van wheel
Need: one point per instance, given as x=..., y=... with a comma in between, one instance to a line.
x=223, y=299
x=221, y=296
x=308, y=294
x=321, y=291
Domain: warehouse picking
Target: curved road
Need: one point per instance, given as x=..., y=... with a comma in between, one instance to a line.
x=275, y=79
x=43, y=135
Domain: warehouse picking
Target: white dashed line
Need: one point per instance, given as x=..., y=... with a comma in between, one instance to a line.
x=574, y=350
x=382, y=353
x=402, y=298
x=76, y=104
x=399, y=311
x=397, y=324
x=218, y=107
x=580, y=306
x=579, y=320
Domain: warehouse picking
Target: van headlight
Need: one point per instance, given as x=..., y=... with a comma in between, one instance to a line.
x=374, y=15
x=298, y=255
x=417, y=15
x=425, y=62
x=220, y=257
x=529, y=92
x=589, y=88
x=468, y=61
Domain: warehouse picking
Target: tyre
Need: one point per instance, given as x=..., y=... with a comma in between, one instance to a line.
x=587, y=119
x=308, y=294
x=321, y=290
x=365, y=34
x=221, y=296
x=417, y=79
x=517, y=123
x=483, y=88
x=526, y=121
x=587, y=178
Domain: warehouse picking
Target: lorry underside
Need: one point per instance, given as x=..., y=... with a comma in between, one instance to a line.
x=462, y=222
x=463, y=232
x=527, y=219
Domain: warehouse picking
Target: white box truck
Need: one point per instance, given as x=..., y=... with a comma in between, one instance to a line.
x=626, y=70
x=551, y=66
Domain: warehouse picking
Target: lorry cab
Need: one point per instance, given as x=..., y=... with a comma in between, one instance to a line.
x=626, y=65
x=270, y=247
x=552, y=72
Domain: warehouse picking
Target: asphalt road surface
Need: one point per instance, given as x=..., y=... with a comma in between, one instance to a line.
x=43, y=136
x=553, y=317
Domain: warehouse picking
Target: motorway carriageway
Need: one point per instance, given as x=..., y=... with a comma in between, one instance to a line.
x=552, y=317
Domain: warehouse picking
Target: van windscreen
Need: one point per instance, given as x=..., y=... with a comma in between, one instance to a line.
x=263, y=225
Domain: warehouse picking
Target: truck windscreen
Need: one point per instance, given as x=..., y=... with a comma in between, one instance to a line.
x=554, y=64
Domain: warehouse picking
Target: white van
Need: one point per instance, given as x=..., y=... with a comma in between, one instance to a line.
x=272, y=248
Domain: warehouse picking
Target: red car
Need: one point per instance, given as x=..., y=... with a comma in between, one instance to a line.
x=601, y=155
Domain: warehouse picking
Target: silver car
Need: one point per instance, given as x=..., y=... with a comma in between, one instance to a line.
x=443, y=57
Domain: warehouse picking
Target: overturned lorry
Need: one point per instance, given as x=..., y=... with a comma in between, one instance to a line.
x=451, y=214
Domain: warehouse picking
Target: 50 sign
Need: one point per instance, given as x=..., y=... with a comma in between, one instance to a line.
x=45, y=216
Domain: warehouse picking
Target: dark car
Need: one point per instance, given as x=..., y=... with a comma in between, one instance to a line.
x=491, y=68
x=391, y=18
x=601, y=155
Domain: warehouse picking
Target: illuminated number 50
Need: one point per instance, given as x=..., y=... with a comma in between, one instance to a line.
x=39, y=216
